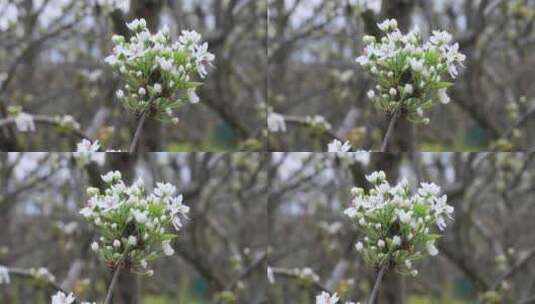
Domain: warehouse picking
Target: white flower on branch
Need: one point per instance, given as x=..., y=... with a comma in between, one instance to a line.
x=85, y=146
x=318, y=121
x=61, y=298
x=276, y=122
x=326, y=298
x=270, y=275
x=87, y=152
x=338, y=146
x=167, y=249
x=42, y=273
x=24, y=122
x=4, y=275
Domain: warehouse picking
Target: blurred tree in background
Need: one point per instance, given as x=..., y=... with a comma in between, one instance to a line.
x=487, y=253
x=312, y=51
x=220, y=253
x=52, y=64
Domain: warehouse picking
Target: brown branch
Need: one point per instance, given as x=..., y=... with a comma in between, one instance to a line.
x=390, y=130
x=377, y=284
x=46, y=120
x=137, y=135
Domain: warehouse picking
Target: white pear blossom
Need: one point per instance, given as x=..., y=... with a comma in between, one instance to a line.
x=431, y=249
x=120, y=94
x=167, y=249
x=24, y=122
x=325, y=298
x=388, y=25
x=94, y=246
x=203, y=58
x=276, y=122
x=270, y=275
x=157, y=88
x=193, y=97
x=443, y=96
x=440, y=38
x=61, y=298
x=396, y=240
x=318, y=121
x=87, y=152
x=338, y=146
x=140, y=216
x=42, y=273
x=143, y=263
x=85, y=146
x=417, y=65
x=132, y=240
x=408, y=89
x=376, y=177
x=4, y=275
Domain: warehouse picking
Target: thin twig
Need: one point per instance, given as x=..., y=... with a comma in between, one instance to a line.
x=26, y=273
x=291, y=273
x=390, y=131
x=137, y=135
x=378, y=281
x=49, y=121
x=113, y=282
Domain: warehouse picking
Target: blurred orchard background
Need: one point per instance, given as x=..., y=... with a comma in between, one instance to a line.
x=321, y=92
x=486, y=255
x=52, y=66
x=219, y=256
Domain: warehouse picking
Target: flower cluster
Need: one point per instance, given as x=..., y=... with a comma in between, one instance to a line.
x=4, y=275
x=276, y=122
x=306, y=274
x=158, y=73
x=397, y=224
x=87, y=152
x=23, y=121
x=42, y=274
x=318, y=121
x=326, y=298
x=133, y=223
x=338, y=146
x=410, y=74
x=85, y=146
x=67, y=121
x=62, y=298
